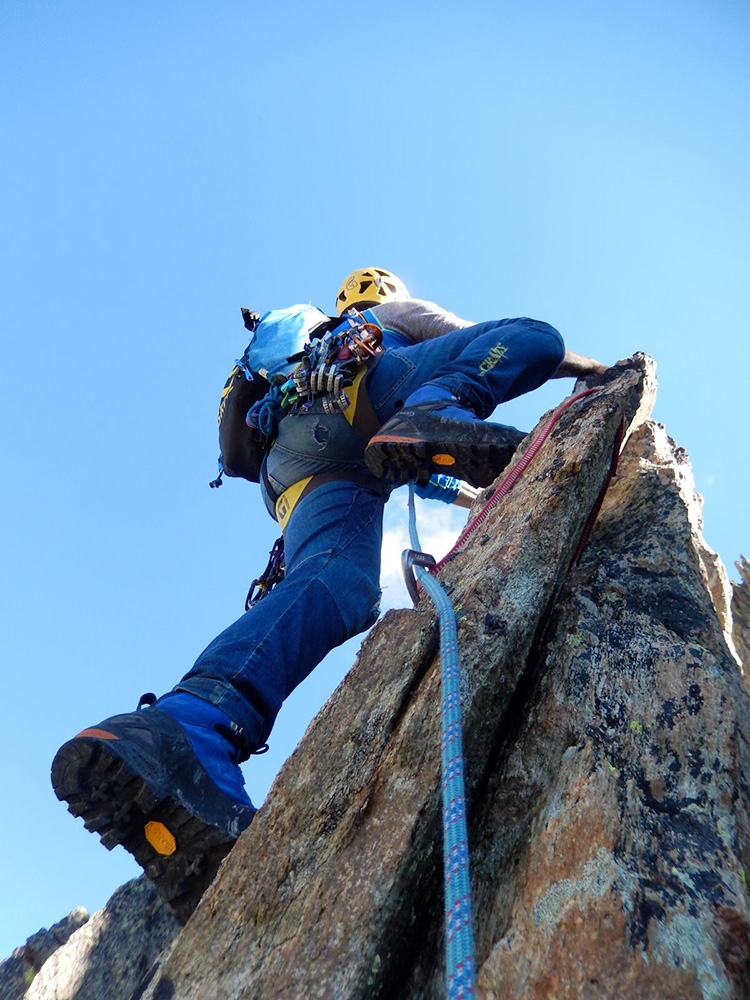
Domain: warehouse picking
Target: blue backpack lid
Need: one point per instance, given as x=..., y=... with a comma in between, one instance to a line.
x=281, y=335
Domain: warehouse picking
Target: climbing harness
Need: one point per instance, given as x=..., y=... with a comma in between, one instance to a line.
x=459, y=946
x=271, y=575
x=329, y=370
x=328, y=366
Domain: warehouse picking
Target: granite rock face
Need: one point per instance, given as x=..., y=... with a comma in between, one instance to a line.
x=741, y=612
x=606, y=725
x=109, y=954
x=628, y=778
x=18, y=971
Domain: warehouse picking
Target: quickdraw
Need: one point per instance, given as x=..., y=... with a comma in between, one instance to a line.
x=271, y=575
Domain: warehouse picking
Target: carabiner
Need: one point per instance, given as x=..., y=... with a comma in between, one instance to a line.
x=409, y=559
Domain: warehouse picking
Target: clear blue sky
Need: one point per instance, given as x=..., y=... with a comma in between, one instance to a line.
x=164, y=164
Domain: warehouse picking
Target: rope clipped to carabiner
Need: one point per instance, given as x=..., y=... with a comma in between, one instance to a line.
x=459, y=936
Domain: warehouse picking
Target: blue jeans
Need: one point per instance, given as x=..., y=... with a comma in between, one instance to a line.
x=482, y=365
x=329, y=593
x=331, y=589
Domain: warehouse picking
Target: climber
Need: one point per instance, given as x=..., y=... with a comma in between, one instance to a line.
x=165, y=781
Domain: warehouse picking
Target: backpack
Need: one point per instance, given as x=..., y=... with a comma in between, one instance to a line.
x=276, y=345
x=241, y=448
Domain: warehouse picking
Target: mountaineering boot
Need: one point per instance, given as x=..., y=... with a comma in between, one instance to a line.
x=433, y=433
x=140, y=780
x=451, y=407
x=217, y=741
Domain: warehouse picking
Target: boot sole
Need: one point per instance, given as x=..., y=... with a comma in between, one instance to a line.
x=404, y=459
x=183, y=853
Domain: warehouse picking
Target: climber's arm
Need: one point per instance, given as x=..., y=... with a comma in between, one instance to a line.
x=447, y=490
x=466, y=495
x=573, y=365
x=419, y=319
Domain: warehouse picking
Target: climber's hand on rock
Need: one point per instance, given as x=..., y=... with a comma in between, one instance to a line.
x=466, y=495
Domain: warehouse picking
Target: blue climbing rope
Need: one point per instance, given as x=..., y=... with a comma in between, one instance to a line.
x=459, y=937
x=265, y=414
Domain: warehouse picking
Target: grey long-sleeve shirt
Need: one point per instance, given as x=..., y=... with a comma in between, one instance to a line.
x=418, y=319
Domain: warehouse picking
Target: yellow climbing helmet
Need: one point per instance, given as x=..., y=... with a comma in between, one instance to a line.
x=370, y=286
